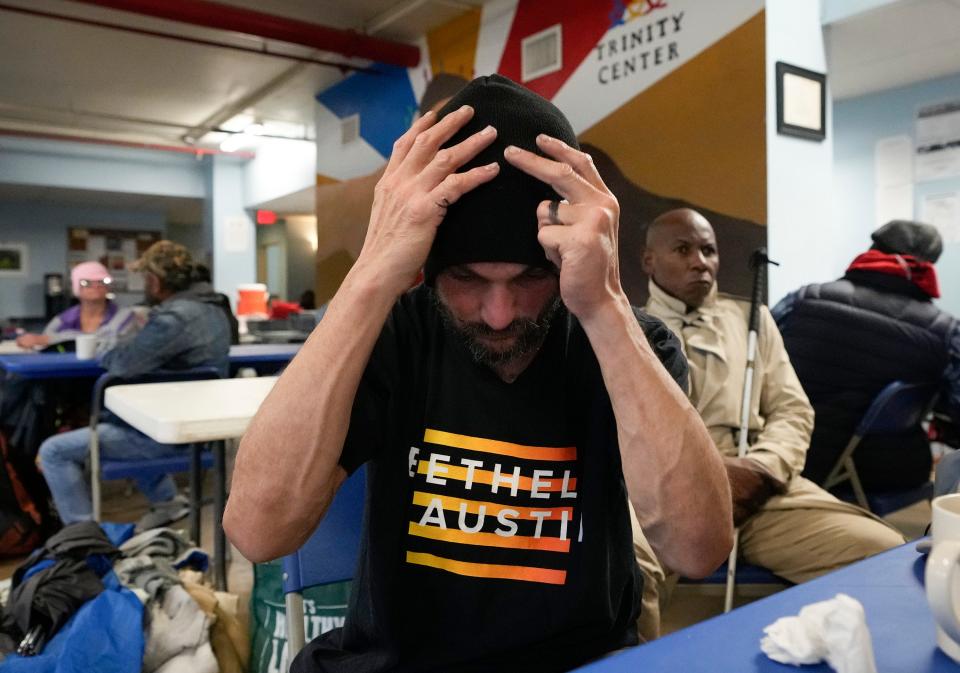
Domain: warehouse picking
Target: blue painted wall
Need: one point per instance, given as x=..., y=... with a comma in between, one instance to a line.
x=43, y=227
x=857, y=125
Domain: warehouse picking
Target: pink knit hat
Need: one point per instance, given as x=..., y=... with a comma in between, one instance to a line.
x=87, y=271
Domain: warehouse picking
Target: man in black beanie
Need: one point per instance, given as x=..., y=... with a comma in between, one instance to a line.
x=506, y=409
x=849, y=338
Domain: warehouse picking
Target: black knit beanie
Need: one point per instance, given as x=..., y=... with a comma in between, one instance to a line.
x=497, y=221
x=903, y=237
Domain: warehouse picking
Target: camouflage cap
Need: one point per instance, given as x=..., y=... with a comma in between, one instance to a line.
x=164, y=259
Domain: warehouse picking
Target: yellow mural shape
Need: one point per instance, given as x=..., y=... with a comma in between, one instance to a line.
x=453, y=46
x=699, y=133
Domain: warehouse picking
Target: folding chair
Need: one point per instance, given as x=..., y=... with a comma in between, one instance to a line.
x=898, y=408
x=108, y=470
x=330, y=555
x=747, y=575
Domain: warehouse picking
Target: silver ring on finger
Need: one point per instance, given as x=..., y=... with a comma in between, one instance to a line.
x=553, y=212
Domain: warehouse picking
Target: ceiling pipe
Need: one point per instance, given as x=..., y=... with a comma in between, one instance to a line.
x=198, y=152
x=226, y=17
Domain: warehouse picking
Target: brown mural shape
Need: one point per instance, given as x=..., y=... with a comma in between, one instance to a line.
x=736, y=237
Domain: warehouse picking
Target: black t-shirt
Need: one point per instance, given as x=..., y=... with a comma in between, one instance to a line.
x=497, y=533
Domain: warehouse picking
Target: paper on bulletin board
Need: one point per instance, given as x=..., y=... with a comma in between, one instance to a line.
x=937, y=128
x=237, y=230
x=943, y=212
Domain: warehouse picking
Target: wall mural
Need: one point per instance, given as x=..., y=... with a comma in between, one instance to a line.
x=667, y=95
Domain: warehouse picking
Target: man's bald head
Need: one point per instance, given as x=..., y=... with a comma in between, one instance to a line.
x=681, y=255
x=685, y=217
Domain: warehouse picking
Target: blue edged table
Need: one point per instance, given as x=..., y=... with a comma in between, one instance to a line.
x=265, y=358
x=889, y=585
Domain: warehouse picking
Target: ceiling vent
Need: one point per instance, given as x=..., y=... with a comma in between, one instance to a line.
x=541, y=53
x=349, y=129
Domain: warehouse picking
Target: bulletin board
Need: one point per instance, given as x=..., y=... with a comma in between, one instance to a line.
x=114, y=248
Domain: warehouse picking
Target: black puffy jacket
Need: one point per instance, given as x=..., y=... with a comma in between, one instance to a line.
x=847, y=340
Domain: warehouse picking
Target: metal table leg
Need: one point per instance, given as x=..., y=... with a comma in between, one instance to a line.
x=220, y=500
x=196, y=491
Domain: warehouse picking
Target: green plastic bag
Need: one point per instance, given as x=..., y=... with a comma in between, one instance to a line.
x=323, y=608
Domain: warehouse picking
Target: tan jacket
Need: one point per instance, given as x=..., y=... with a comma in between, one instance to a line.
x=714, y=338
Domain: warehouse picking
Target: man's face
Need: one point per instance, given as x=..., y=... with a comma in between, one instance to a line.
x=681, y=257
x=151, y=289
x=501, y=310
x=93, y=289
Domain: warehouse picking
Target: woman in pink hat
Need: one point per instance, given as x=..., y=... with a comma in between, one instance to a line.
x=95, y=314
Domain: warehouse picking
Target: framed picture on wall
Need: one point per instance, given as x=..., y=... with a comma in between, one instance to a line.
x=14, y=260
x=801, y=102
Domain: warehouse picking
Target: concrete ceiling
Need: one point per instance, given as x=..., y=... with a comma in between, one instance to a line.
x=68, y=79
x=894, y=45
x=64, y=77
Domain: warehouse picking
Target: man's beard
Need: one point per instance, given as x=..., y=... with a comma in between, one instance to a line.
x=528, y=334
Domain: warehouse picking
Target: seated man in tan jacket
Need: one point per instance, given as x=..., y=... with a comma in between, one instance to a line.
x=787, y=523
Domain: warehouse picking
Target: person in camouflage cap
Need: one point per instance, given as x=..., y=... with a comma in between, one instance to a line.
x=184, y=330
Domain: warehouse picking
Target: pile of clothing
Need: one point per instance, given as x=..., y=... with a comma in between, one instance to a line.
x=101, y=599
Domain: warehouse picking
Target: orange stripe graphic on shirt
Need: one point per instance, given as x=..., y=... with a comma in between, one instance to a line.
x=492, y=508
x=457, y=536
x=500, y=448
x=524, y=573
x=458, y=473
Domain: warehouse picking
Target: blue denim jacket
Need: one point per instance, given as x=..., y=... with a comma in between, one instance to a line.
x=183, y=331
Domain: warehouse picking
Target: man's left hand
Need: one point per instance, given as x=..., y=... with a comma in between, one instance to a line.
x=751, y=485
x=580, y=236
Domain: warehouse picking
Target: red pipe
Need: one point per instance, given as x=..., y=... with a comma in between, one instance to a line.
x=183, y=38
x=226, y=17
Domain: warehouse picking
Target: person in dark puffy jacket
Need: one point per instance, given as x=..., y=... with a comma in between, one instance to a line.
x=849, y=338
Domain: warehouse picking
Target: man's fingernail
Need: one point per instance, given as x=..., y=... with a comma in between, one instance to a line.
x=465, y=108
x=488, y=131
x=512, y=149
x=492, y=167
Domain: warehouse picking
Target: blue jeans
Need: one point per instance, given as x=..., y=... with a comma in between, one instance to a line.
x=64, y=456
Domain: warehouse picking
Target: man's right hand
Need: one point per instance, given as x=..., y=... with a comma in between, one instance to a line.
x=412, y=197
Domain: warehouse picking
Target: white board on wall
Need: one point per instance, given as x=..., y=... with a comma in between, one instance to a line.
x=893, y=179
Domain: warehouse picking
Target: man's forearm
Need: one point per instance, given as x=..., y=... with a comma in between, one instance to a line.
x=286, y=470
x=674, y=475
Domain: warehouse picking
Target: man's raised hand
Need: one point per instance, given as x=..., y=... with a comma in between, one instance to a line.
x=412, y=197
x=579, y=235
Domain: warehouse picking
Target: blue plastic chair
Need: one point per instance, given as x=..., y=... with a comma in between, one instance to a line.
x=194, y=461
x=898, y=408
x=330, y=555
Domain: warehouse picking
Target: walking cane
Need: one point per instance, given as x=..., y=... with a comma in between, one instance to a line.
x=758, y=262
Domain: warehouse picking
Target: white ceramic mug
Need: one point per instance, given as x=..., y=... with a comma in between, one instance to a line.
x=943, y=573
x=86, y=346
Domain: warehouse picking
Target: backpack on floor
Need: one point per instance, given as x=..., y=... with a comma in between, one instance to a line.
x=20, y=520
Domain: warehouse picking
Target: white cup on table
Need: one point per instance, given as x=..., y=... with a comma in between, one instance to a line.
x=86, y=346
x=942, y=577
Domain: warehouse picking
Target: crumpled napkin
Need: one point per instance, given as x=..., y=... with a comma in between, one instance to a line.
x=834, y=631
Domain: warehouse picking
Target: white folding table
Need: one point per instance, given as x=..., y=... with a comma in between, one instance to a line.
x=185, y=412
